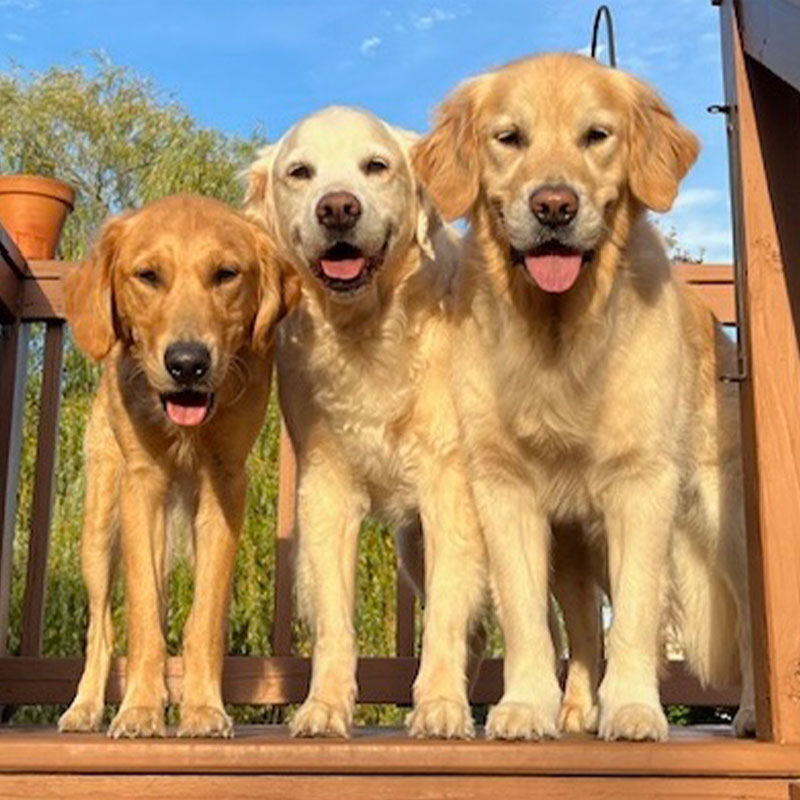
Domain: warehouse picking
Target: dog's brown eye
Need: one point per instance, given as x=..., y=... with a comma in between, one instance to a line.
x=225, y=275
x=301, y=172
x=375, y=166
x=510, y=138
x=595, y=135
x=148, y=276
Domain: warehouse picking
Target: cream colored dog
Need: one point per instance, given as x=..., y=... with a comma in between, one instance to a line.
x=363, y=381
x=587, y=381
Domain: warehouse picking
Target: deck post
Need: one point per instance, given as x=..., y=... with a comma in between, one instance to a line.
x=764, y=126
x=13, y=378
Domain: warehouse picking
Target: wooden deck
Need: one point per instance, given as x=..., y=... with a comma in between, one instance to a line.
x=761, y=294
x=262, y=761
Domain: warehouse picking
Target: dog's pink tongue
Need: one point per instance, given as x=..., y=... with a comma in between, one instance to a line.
x=186, y=415
x=346, y=269
x=554, y=272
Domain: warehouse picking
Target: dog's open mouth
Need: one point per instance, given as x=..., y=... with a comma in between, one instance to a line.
x=187, y=408
x=553, y=266
x=345, y=268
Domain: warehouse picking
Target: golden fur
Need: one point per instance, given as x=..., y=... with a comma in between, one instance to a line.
x=363, y=381
x=145, y=474
x=600, y=407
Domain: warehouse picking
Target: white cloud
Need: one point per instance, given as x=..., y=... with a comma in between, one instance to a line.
x=696, y=198
x=369, y=45
x=707, y=238
x=14, y=37
x=424, y=22
x=587, y=51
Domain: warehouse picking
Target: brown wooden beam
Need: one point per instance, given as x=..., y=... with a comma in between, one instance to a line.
x=765, y=180
x=284, y=679
x=10, y=293
x=701, y=756
x=770, y=32
x=13, y=376
x=44, y=480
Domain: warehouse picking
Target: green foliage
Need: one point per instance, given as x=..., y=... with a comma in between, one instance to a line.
x=112, y=136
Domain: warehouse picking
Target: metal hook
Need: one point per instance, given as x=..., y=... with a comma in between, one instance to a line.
x=612, y=48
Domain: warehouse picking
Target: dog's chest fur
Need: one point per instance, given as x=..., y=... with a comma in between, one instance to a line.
x=364, y=392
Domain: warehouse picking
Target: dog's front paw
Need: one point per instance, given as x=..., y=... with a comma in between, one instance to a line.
x=205, y=721
x=440, y=719
x=138, y=722
x=744, y=723
x=317, y=718
x=511, y=720
x=81, y=718
x=577, y=716
x=634, y=721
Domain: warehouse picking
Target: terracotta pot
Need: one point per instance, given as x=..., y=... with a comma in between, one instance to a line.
x=33, y=211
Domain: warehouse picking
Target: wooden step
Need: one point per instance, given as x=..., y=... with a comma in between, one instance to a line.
x=263, y=761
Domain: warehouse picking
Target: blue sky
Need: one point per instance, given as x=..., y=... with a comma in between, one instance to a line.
x=237, y=64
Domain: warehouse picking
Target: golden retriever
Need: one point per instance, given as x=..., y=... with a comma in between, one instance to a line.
x=363, y=382
x=179, y=301
x=587, y=382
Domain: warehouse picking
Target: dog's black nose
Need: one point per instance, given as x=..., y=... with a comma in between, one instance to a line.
x=554, y=205
x=187, y=362
x=338, y=210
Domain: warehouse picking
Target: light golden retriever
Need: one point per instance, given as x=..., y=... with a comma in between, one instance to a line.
x=363, y=382
x=587, y=382
x=179, y=301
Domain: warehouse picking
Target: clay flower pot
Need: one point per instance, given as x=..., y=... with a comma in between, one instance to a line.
x=33, y=211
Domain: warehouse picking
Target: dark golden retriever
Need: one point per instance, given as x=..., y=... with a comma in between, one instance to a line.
x=179, y=300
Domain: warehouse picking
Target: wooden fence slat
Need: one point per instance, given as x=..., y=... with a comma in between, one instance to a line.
x=765, y=125
x=13, y=377
x=284, y=679
x=284, y=568
x=44, y=481
x=404, y=625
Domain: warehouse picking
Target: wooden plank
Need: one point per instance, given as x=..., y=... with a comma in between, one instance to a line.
x=44, y=481
x=280, y=680
x=380, y=787
x=404, y=615
x=284, y=560
x=13, y=376
x=703, y=273
x=770, y=31
x=11, y=254
x=43, y=292
x=765, y=126
x=268, y=749
x=10, y=294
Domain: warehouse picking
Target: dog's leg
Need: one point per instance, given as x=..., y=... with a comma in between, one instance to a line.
x=639, y=514
x=218, y=524
x=410, y=545
x=99, y=540
x=329, y=514
x=517, y=536
x=579, y=598
x=454, y=591
x=142, y=517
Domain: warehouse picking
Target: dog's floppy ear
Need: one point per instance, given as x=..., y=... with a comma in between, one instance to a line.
x=661, y=149
x=446, y=159
x=257, y=197
x=428, y=218
x=279, y=291
x=89, y=294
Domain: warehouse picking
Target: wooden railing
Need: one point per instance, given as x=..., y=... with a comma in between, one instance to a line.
x=33, y=292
